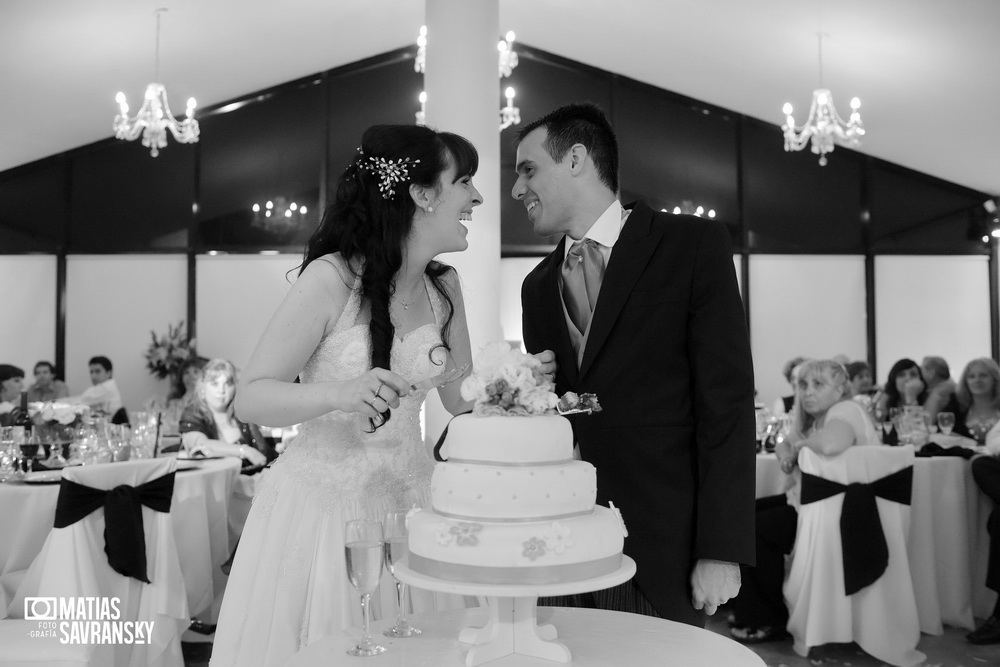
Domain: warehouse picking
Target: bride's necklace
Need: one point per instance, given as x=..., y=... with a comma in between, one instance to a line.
x=406, y=304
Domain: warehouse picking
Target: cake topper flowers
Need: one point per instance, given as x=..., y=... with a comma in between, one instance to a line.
x=506, y=381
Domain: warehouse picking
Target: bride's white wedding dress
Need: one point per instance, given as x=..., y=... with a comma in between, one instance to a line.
x=288, y=586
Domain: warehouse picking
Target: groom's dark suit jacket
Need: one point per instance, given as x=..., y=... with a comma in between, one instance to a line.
x=668, y=357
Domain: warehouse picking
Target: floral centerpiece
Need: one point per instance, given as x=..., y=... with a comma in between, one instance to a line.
x=166, y=354
x=506, y=381
x=54, y=413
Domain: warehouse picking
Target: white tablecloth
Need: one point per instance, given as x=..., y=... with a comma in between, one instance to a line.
x=948, y=541
x=596, y=638
x=199, y=513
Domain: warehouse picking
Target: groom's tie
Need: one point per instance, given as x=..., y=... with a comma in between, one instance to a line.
x=582, y=273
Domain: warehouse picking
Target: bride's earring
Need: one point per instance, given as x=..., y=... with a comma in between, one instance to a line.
x=430, y=209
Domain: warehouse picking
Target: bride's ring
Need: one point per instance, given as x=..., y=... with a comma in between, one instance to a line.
x=378, y=392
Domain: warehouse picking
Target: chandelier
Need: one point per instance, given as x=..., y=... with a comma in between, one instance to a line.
x=824, y=126
x=278, y=216
x=155, y=118
x=509, y=114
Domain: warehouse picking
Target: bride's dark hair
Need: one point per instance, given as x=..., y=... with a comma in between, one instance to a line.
x=369, y=230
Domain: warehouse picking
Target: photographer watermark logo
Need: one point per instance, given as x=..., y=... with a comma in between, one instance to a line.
x=84, y=620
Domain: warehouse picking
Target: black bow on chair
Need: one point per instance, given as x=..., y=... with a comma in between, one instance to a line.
x=865, y=552
x=124, y=535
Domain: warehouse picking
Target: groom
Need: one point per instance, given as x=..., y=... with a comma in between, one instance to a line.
x=645, y=313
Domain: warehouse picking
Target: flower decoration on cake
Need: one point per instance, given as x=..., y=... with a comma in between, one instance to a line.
x=618, y=515
x=443, y=534
x=465, y=533
x=534, y=548
x=558, y=537
x=507, y=381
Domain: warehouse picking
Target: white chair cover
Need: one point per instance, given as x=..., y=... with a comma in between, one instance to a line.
x=881, y=618
x=73, y=563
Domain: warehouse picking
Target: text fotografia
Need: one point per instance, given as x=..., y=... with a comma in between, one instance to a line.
x=84, y=620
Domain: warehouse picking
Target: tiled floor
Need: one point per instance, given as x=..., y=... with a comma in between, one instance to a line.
x=948, y=650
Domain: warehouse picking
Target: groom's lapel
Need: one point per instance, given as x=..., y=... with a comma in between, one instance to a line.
x=629, y=257
x=554, y=318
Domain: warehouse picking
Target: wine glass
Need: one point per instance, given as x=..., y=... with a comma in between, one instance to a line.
x=363, y=553
x=394, y=529
x=946, y=422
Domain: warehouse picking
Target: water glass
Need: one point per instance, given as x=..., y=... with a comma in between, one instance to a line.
x=394, y=532
x=363, y=547
x=946, y=422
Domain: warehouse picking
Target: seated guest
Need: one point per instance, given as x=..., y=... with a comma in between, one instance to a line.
x=185, y=382
x=940, y=387
x=11, y=386
x=104, y=394
x=977, y=400
x=783, y=405
x=209, y=427
x=904, y=387
x=826, y=420
x=986, y=472
x=47, y=386
x=862, y=380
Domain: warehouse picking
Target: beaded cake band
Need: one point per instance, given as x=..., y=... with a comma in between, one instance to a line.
x=390, y=172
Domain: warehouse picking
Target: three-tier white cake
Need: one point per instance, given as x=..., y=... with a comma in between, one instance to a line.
x=511, y=506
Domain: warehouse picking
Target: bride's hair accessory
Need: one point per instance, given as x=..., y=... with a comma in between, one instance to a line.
x=390, y=172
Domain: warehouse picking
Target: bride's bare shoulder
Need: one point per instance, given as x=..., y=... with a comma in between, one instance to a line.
x=331, y=270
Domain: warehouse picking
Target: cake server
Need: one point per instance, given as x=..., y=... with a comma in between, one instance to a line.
x=440, y=380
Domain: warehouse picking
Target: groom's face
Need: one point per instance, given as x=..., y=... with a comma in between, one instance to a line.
x=543, y=185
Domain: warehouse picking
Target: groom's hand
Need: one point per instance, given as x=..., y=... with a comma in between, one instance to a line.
x=714, y=582
x=548, y=367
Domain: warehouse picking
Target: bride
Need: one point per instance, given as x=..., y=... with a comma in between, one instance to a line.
x=370, y=313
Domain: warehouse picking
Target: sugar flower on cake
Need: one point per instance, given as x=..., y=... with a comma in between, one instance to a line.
x=443, y=534
x=465, y=533
x=507, y=381
x=618, y=515
x=558, y=537
x=534, y=548
x=571, y=402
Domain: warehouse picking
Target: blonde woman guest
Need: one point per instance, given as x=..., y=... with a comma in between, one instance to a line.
x=826, y=420
x=977, y=399
x=209, y=426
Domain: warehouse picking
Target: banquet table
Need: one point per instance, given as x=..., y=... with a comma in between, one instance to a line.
x=597, y=638
x=199, y=514
x=948, y=542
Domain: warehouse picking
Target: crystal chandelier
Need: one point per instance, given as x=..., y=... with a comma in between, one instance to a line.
x=509, y=114
x=155, y=118
x=824, y=126
x=688, y=207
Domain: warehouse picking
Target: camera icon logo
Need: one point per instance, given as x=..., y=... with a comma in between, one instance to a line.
x=40, y=609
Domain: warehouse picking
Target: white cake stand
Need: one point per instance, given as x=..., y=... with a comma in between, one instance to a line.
x=513, y=623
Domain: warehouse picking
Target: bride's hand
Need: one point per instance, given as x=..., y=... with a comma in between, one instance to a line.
x=373, y=393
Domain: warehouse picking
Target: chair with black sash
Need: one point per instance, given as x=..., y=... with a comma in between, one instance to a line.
x=113, y=539
x=849, y=579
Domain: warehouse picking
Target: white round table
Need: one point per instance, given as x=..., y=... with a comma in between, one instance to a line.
x=597, y=638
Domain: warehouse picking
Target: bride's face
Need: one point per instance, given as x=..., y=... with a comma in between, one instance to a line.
x=219, y=393
x=444, y=229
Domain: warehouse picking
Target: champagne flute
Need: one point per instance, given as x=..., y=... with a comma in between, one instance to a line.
x=363, y=554
x=946, y=422
x=394, y=529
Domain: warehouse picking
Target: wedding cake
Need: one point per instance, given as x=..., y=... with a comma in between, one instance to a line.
x=510, y=505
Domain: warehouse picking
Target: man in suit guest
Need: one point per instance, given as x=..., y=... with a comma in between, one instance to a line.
x=647, y=315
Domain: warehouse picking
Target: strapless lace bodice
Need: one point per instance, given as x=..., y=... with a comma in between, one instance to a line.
x=333, y=457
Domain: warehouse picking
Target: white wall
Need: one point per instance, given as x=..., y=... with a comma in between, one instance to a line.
x=113, y=302
x=236, y=296
x=28, y=317
x=931, y=306
x=804, y=305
